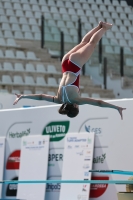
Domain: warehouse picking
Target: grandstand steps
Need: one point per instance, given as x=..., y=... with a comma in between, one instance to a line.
x=56, y=46
x=43, y=54
x=122, y=86
x=93, y=89
x=85, y=80
x=127, y=83
x=46, y=59
x=90, y=88
x=113, y=62
x=54, y=15
x=14, y=48
x=114, y=76
x=34, y=46
x=33, y=74
x=128, y=73
x=103, y=93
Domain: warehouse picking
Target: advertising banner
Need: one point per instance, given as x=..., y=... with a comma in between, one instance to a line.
x=33, y=167
x=2, y=155
x=33, y=149
x=113, y=142
x=78, y=159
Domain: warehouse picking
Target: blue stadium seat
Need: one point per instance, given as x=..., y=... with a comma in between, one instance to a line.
x=19, y=67
x=7, y=66
x=28, y=80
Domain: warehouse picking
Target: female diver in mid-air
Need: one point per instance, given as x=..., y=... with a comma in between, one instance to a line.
x=68, y=92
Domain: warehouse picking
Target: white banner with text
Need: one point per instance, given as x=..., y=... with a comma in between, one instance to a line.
x=113, y=142
x=33, y=167
x=78, y=155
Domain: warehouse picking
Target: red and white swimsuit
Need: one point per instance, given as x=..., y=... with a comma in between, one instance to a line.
x=70, y=66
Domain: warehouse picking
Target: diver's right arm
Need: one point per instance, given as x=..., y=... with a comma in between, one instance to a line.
x=44, y=97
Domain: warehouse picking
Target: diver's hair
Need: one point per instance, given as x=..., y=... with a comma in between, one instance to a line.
x=69, y=110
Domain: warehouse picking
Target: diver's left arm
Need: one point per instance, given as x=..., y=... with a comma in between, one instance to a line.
x=100, y=103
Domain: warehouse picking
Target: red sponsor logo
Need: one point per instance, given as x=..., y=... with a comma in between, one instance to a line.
x=98, y=190
x=13, y=160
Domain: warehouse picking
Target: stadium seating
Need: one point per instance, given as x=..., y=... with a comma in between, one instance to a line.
x=84, y=95
x=20, y=21
x=18, y=67
x=51, y=69
x=17, y=80
x=29, y=81
x=40, y=68
x=16, y=91
x=40, y=81
x=6, y=80
x=9, y=54
x=95, y=95
x=52, y=82
x=27, y=92
x=7, y=66
x=20, y=55
x=2, y=42
x=29, y=68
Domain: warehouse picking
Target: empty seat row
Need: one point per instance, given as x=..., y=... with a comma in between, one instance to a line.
x=28, y=81
x=21, y=21
x=34, y=28
x=29, y=17
x=93, y=95
x=37, y=36
x=112, y=50
x=16, y=91
x=119, y=36
x=30, y=92
x=115, y=49
x=54, y=27
x=52, y=93
x=19, y=6
x=18, y=55
x=9, y=42
x=13, y=18
x=18, y=67
x=37, y=7
x=21, y=1
x=21, y=35
x=61, y=24
x=17, y=27
x=65, y=3
x=64, y=15
x=68, y=5
x=85, y=95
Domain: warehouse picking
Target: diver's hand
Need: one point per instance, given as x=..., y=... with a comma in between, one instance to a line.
x=120, y=109
x=18, y=97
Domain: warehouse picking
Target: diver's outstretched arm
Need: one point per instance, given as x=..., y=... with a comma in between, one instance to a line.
x=100, y=103
x=44, y=97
